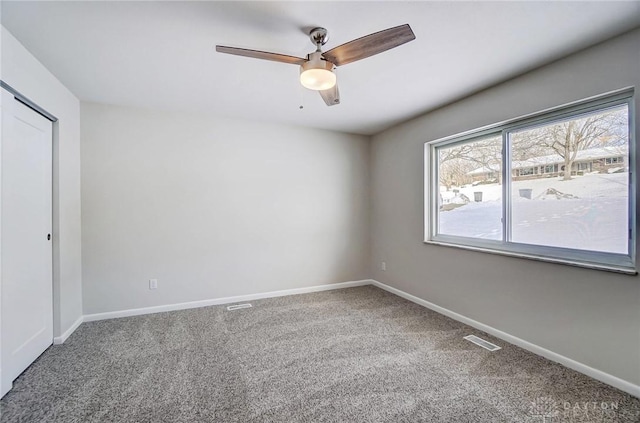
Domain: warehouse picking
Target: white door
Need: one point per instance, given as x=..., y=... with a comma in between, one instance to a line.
x=26, y=312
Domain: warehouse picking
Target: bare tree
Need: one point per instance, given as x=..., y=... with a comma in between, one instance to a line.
x=457, y=161
x=454, y=172
x=569, y=137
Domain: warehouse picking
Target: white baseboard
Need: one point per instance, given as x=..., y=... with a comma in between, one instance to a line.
x=60, y=339
x=614, y=381
x=5, y=386
x=224, y=300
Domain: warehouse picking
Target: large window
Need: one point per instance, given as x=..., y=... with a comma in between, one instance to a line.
x=556, y=187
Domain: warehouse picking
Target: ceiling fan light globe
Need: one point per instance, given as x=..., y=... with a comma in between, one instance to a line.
x=316, y=73
x=318, y=79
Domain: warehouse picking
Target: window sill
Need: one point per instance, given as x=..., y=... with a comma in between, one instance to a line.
x=594, y=266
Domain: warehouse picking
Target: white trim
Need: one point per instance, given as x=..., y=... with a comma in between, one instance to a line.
x=614, y=381
x=224, y=300
x=4, y=387
x=60, y=339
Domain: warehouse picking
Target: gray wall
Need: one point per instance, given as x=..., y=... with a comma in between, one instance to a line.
x=215, y=207
x=590, y=316
x=25, y=73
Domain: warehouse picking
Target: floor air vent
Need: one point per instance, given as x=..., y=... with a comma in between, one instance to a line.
x=238, y=306
x=481, y=342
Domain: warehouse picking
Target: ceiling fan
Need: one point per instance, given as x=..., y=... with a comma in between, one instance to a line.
x=316, y=70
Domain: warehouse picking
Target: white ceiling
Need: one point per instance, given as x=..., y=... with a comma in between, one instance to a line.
x=162, y=54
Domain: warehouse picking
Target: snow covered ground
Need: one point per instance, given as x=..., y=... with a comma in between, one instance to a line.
x=597, y=219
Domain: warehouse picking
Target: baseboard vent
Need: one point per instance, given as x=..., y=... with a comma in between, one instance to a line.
x=481, y=342
x=238, y=306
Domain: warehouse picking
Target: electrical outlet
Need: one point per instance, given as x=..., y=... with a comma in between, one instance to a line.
x=153, y=284
x=383, y=266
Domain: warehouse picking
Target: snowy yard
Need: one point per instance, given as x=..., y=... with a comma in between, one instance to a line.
x=595, y=219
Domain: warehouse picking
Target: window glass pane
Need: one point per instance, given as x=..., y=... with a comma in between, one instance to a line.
x=570, y=183
x=470, y=189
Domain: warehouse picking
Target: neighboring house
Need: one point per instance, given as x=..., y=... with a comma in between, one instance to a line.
x=484, y=173
x=592, y=160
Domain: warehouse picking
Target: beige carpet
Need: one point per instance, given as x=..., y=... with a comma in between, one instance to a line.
x=351, y=355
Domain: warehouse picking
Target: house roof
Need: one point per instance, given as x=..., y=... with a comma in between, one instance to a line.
x=582, y=156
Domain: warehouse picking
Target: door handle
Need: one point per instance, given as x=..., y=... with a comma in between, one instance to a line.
x=48, y=237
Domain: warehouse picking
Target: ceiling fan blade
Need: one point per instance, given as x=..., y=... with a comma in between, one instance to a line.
x=369, y=45
x=331, y=96
x=265, y=55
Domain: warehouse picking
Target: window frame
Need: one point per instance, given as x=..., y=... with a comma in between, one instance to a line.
x=622, y=263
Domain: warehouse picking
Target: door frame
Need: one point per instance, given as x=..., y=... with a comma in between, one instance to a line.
x=17, y=96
